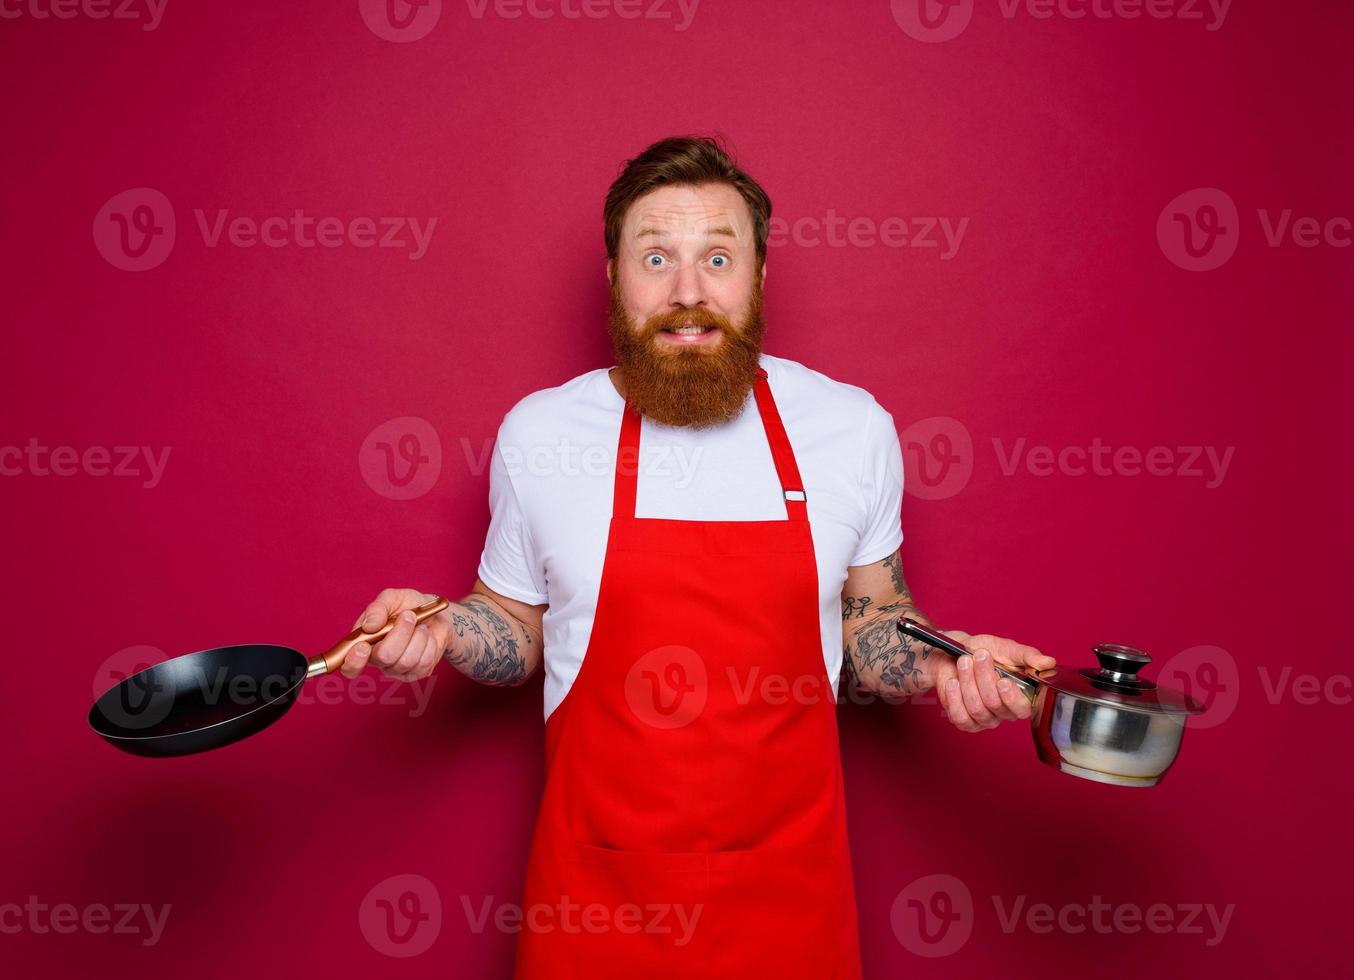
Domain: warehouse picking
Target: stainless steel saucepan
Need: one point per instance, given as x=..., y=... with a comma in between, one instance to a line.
x=1105, y=724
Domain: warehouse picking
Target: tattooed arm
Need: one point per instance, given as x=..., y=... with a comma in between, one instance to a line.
x=486, y=636
x=884, y=661
x=876, y=657
x=494, y=639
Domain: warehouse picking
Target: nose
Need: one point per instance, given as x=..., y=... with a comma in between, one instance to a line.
x=688, y=289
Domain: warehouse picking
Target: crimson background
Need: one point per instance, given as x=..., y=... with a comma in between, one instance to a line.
x=1058, y=320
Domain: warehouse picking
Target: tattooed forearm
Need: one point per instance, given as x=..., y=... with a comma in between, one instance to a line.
x=876, y=656
x=880, y=658
x=486, y=645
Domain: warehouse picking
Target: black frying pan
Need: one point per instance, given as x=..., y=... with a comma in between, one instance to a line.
x=211, y=698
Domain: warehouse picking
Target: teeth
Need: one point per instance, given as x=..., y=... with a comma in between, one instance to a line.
x=689, y=330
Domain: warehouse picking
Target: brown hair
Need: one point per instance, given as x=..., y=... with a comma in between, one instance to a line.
x=683, y=160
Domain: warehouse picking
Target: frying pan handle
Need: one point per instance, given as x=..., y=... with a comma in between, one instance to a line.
x=914, y=629
x=327, y=663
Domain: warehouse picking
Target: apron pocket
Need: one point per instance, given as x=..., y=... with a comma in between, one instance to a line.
x=783, y=912
x=637, y=913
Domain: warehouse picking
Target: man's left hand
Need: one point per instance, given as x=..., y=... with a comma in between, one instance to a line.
x=975, y=697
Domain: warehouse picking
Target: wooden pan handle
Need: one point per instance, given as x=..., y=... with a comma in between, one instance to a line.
x=327, y=663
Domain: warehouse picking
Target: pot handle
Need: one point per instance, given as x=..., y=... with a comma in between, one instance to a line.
x=327, y=663
x=910, y=627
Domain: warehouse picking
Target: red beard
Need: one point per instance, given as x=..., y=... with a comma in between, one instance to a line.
x=696, y=386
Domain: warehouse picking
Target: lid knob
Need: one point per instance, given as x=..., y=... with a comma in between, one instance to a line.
x=1119, y=666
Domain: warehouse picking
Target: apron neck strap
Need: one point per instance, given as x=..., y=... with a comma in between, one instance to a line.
x=787, y=471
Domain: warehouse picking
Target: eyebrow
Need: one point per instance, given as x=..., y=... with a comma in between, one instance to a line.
x=724, y=230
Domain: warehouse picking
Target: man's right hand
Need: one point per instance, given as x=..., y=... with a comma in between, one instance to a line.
x=410, y=651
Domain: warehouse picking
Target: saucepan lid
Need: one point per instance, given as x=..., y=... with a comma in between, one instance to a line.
x=1116, y=682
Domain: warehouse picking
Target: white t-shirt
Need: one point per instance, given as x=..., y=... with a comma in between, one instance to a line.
x=552, y=473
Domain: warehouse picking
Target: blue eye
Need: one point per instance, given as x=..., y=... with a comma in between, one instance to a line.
x=647, y=259
x=723, y=260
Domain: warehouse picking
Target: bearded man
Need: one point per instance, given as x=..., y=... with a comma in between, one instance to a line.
x=701, y=545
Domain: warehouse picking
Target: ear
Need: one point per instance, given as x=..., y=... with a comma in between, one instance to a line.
x=610, y=272
x=763, y=273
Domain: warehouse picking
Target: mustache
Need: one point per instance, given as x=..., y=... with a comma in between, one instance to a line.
x=676, y=318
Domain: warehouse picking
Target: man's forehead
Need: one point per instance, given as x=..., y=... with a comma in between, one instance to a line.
x=686, y=217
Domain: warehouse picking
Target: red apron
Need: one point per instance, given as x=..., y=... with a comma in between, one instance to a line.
x=693, y=822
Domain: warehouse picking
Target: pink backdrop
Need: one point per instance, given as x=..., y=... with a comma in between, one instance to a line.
x=1079, y=301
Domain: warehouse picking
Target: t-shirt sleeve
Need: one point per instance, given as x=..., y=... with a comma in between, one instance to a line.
x=509, y=564
x=881, y=484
